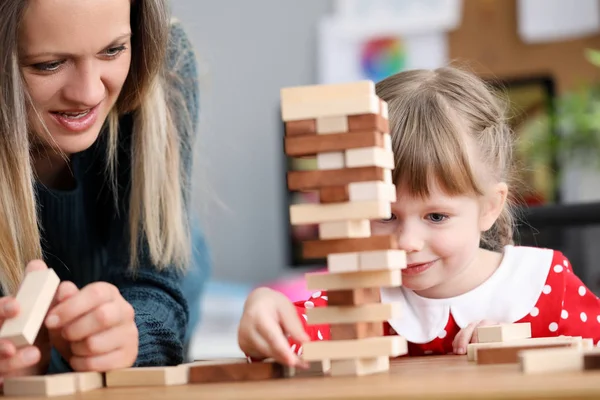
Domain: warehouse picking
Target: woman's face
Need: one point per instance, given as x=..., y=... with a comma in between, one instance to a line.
x=75, y=56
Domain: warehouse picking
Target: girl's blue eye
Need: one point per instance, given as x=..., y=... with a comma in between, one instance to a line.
x=391, y=218
x=437, y=217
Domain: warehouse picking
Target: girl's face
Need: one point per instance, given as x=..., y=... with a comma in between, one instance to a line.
x=440, y=235
x=75, y=56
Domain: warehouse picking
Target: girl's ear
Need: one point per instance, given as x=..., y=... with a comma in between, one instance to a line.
x=492, y=205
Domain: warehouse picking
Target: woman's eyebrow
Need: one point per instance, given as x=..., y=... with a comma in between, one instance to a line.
x=118, y=39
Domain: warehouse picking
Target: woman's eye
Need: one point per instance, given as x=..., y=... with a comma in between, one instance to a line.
x=436, y=217
x=48, y=66
x=114, y=51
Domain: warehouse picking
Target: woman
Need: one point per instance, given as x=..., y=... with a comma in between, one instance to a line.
x=98, y=112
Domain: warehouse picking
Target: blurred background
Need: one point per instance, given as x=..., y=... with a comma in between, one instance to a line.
x=540, y=54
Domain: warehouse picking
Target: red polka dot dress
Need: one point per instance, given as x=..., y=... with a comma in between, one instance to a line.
x=530, y=285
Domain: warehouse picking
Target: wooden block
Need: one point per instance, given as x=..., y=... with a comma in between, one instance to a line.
x=236, y=372
x=503, y=332
x=333, y=160
x=334, y=194
x=390, y=346
x=359, y=330
x=384, y=109
x=42, y=386
x=322, y=248
x=353, y=297
x=301, y=127
x=345, y=229
x=342, y=262
x=332, y=124
x=382, y=259
x=301, y=214
x=317, y=109
x=377, y=312
x=591, y=359
x=367, y=122
x=353, y=280
x=509, y=354
x=360, y=366
x=387, y=176
x=370, y=157
x=550, y=360
x=473, y=348
x=372, y=191
x=87, y=381
x=312, y=180
x=316, y=368
x=387, y=143
x=34, y=297
x=311, y=145
x=147, y=376
x=326, y=92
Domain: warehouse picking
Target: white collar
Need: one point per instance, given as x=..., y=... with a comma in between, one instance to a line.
x=505, y=297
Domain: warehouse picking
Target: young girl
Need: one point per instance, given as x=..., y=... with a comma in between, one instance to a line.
x=98, y=108
x=453, y=217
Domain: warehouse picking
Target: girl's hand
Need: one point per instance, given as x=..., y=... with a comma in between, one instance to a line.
x=468, y=335
x=26, y=360
x=93, y=328
x=268, y=316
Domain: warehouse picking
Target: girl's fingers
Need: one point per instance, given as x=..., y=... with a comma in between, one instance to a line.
x=22, y=358
x=279, y=346
x=292, y=325
x=463, y=338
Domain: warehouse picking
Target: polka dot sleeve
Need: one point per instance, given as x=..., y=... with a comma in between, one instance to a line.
x=566, y=307
x=316, y=332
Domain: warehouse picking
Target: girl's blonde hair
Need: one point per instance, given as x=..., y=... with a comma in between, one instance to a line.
x=430, y=111
x=157, y=213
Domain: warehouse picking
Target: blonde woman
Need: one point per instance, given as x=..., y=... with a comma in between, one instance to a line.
x=98, y=108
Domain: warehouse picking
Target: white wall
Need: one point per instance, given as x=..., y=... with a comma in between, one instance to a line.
x=248, y=50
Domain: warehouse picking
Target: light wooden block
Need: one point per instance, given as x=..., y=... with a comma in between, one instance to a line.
x=360, y=366
x=345, y=229
x=314, y=180
x=322, y=248
x=319, y=109
x=332, y=124
x=301, y=214
x=350, y=314
x=326, y=92
x=382, y=259
x=331, y=160
x=384, y=110
x=342, y=262
x=370, y=157
x=387, y=142
x=387, y=176
x=34, y=297
x=41, y=386
x=574, y=341
x=315, y=368
x=510, y=354
x=372, y=191
x=353, y=280
x=147, y=376
x=87, y=381
x=390, y=346
x=503, y=332
x=550, y=360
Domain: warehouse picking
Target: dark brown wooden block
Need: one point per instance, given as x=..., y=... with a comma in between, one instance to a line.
x=310, y=145
x=301, y=127
x=591, y=360
x=235, y=372
x=322, y=248
x=334, y=194
x=367, y=122
x=510, y=355
x=358, y=330
x=353, y=297
x=313, y=180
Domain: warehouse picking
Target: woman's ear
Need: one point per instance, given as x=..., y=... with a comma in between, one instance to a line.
x=492, y=205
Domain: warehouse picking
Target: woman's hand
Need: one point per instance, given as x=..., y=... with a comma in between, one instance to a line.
x=93, y=328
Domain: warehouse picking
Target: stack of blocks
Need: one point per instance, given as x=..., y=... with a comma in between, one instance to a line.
x=513, y=344
x=346, y=128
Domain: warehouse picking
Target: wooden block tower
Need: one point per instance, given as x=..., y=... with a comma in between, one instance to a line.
x=346, y=128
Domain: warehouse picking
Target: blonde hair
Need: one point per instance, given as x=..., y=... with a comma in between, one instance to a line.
x=430, y=111
x=157, y=213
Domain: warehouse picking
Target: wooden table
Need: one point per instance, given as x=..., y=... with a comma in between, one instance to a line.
x=444, y=377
